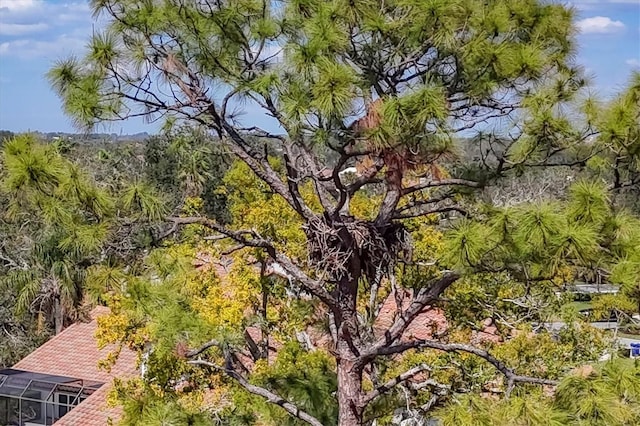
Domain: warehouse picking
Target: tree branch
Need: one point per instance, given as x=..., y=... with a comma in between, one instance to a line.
x=443, y=182
x=265, y=172
x=387, y=386
x=264, y=393
x=422, y=202
x=512, y=377
x=252, y=239
x=424, y=297
x=203, y=348
x=426, y=212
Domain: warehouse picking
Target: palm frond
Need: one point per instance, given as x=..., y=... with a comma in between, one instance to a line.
x=142, y=199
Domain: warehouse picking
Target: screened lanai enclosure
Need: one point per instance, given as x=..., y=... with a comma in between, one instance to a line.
x=29, y=399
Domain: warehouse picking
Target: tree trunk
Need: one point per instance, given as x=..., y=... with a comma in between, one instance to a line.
x=349, y=371
x=350, y=410
x=58, y=320
x=349, y=392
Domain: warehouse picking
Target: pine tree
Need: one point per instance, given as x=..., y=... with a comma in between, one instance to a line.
x=392, y=89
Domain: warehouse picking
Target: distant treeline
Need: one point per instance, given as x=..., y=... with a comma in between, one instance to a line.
x=80, y=137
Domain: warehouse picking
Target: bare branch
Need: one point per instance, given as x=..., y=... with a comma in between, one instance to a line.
x=264, y=393
x=438, y=183
x=425, y=212
x=246, y=237
x=424, y=297
x=367, y=177
x=265, y=172
x=424, y=201
x=203, y=348
x=11, y=262
x=512, y=377
x=387, y=386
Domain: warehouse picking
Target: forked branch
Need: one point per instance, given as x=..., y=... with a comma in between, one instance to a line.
x=387, y=386
x=423, y=298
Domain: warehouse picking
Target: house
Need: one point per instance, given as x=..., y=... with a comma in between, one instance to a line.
x=60, y=382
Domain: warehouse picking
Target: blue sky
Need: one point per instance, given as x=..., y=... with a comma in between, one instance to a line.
x=34, y=33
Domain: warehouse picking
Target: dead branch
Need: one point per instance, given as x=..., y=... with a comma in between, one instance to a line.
x=443, y=182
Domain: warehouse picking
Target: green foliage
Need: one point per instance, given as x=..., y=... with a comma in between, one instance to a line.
x=146, y=405
x=589, y=202
x=186, y=163
x=308, y=378
x=63, y=221
x=68, y=216
x=546, y=238
x=140, y=198
x=466, y=243
x=532, y=410
x=621, y=304
x=22, y=334
x=605, y=395
x=387, y=87
x=608, y=396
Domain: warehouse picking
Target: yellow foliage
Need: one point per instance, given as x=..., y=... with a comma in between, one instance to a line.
x=252, y=206
x=364, y=206
x=564, y=274
x=193, y=206
x=223, y=304
x=427, y=240
x=117, y=327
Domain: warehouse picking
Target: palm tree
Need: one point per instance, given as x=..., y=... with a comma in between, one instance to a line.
x=63, y=219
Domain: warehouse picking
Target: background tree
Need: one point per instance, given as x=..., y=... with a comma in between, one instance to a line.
x=5, y=134
x=67, y=231
x=186, y=163
x=388, y=88
x=21, y=334
x=60, y=223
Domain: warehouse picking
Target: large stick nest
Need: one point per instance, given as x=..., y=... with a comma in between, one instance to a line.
x=333, y=247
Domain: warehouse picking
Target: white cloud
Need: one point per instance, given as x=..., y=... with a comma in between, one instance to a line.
x=586, y=5
x=25, y=12
x=599, y=25
x=38, y=28
x=17, y=4
x=634, y=63
x=21, y=29
x=29, y=49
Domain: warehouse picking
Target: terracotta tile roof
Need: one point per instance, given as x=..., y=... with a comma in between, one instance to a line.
x=93, y=411
x=488, y=334
x=429, y=322
x=74, y=353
